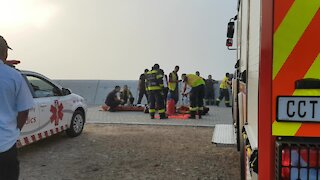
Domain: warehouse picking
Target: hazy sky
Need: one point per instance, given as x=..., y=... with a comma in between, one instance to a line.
x=118, y=39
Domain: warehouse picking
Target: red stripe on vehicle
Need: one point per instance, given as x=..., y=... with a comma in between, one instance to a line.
x=33, y=137
x=281, y=8
x=19, y=143
x=46, y=134
x=26, y=140
x=40, y=135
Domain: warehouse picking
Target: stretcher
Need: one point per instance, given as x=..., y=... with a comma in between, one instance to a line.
x=123, y=108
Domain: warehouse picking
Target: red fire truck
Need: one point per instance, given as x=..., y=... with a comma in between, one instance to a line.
x=276, y=92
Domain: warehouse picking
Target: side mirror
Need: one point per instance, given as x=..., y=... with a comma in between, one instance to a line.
x=56, y=91
x=66, y=91
x=230, y=30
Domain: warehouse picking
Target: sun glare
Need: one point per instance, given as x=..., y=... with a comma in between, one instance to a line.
x=16, y=13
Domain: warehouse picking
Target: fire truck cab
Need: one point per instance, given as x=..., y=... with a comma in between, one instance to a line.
x=276, y=89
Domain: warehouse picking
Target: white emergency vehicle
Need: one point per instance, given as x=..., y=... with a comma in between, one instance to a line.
x=56, y=109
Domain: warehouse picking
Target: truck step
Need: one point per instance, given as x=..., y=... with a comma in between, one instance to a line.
x=224, y=134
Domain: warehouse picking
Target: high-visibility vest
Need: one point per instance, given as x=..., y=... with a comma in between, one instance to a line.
x=224, y=83
x=154, y=80
x=172, y=85
x=194, y=80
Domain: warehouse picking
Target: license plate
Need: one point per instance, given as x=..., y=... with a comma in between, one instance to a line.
x=298, y=109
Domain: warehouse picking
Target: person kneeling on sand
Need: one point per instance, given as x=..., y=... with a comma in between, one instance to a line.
x=112, y=99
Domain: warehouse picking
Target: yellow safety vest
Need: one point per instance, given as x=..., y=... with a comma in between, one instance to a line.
x=194, y=80
x=172, y=85
x=224, y=83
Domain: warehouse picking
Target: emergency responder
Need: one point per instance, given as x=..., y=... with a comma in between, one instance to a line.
x=142, y=87
x=112, y=99
x=174, y=84
x=16, y=100
x=196, y=94
x=165, y=87
x=154, y=84
x=209, y=91
x=224, y=91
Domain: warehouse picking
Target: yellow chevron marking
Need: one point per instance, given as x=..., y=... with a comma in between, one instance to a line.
x=285, y=128
x=289, y=128
x=291, y=29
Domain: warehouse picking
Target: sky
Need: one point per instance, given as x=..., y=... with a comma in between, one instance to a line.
x=118, y=39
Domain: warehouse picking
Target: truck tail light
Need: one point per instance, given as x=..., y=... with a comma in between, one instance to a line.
x=297, y=161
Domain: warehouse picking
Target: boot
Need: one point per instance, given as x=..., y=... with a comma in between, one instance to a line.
x=163, y=116
x=152, y=115
x=192, y=115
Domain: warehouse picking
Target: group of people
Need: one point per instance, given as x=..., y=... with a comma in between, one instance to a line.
x=125, y=97
x=157, y=87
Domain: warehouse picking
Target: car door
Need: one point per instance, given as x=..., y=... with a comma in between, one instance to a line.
x=32, y=124
x=47, y=103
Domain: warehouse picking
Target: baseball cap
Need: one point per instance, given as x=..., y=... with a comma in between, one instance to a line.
x=3, y=43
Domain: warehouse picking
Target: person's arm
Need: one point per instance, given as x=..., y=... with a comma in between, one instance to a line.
x=12, y=63
x=22, y=118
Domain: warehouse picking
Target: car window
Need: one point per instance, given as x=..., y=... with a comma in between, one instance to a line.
x=41, y=87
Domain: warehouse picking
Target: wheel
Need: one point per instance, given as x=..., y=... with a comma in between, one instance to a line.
x=76, y=125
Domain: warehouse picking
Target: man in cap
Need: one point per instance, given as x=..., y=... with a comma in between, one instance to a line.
x=16, y=100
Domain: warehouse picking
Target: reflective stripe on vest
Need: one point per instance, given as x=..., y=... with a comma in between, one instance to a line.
x=194, y=80
x=153, y=79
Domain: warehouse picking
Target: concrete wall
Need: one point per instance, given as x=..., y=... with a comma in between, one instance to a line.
x=95, y=91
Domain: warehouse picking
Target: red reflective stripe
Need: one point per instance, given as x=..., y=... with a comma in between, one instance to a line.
x=26, y=140
x=33, y=137
x=19, y=143
x=298, y=63
x=46, y=134
x=281, y=8
x=310, y=129
x=40, y=135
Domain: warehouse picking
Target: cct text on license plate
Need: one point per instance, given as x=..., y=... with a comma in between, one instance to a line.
x=298, y=108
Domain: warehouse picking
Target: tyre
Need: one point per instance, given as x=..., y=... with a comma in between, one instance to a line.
x=77, y=124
